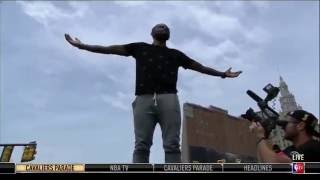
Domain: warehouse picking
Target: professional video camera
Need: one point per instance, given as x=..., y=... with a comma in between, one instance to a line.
x=267, y=117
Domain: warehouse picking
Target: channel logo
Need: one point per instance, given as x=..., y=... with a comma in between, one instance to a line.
x=298, y=168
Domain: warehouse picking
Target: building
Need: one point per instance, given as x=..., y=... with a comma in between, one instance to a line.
x=211, y=135
x=287, y=103
x=287, y=100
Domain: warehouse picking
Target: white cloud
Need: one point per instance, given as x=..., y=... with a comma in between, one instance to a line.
x=219, y=25
x=118, y=101
x=112, y=78
x=44, y=12
x=225, y=53
x=230, y=7
x=37, y=98
x=206, y=94
x=213, y=24
x=130, y=3
x=262, y=6
x=257, y=35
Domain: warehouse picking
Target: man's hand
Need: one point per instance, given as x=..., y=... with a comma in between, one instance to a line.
x=230, y=74
x=74, y=42
x=257, y=129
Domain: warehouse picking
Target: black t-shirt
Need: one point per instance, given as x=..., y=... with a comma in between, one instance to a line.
x=156, y=67
x=310, y=150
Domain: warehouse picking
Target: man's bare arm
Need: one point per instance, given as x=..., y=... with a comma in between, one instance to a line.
x=210, y=71
x=114, y=49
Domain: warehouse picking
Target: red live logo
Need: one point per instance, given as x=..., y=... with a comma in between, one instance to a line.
x=298, y=168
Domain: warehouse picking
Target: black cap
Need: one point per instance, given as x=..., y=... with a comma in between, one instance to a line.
x=302, y=115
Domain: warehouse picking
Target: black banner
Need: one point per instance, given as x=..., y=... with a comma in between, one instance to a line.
x=7, y=168
x=194, y=167
x=294, y=168
x=312, y=168
x=118, y=167
x=257, y=168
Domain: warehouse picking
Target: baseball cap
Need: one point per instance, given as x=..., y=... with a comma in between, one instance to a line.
x=301, y=116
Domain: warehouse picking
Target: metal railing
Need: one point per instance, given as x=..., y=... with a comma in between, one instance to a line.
x=28, y=152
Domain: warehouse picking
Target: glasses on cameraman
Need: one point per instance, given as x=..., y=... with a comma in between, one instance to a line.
x=284, y=123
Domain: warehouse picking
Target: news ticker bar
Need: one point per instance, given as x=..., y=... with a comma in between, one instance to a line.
x=297, y=168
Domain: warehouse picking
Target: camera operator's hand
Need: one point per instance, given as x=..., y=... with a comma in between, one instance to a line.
x=257, y=129
x=264, y=152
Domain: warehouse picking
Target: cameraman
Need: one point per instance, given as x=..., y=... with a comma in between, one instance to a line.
x=299, y=127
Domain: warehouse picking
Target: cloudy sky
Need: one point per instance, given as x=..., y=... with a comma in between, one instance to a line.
x=77, y=104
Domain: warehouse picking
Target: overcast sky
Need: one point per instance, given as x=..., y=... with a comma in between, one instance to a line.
x=77, y=104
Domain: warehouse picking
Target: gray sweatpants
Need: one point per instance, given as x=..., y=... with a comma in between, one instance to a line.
x=148, y=110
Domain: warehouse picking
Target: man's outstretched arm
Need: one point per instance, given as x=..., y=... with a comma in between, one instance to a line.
x=114, y=49
x=210, y=71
